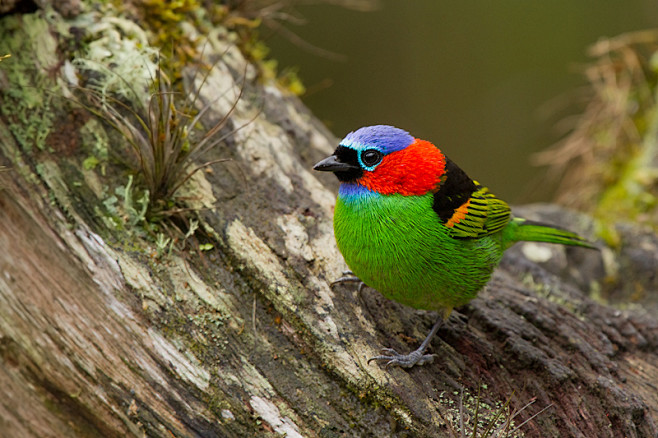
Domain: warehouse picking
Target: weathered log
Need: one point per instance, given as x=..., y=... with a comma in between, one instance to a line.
x=99, y=336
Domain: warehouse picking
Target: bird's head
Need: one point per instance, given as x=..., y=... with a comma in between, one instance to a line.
x=386, y=160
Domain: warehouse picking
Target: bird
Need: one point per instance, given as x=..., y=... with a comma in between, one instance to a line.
x=411, y=224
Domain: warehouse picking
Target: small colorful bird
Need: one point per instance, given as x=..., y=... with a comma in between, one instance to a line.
x=412, y=225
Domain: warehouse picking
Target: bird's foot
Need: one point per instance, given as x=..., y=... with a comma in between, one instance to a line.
x=393, y=358
x=349, y=277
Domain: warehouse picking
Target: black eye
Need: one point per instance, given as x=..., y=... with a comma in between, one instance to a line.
x=371, y=157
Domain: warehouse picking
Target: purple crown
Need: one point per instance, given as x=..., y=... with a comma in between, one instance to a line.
x=384, y=138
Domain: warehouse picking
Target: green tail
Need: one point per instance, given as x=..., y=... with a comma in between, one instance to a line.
x=525, y=230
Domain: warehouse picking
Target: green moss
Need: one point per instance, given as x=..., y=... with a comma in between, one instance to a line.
x=165, y=19
x=93, y=134
x=290, y=80
x=25, y=101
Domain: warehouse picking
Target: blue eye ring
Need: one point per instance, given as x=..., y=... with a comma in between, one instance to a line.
x=370, y=158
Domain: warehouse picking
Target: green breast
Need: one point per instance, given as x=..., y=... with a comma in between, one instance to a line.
x=397, y=245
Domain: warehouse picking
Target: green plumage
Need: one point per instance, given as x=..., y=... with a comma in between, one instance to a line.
x=397, y=245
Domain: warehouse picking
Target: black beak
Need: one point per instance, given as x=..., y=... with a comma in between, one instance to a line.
x=331, y=164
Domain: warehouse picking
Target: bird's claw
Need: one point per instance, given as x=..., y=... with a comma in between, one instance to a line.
x=394, y=358
x=349, y=277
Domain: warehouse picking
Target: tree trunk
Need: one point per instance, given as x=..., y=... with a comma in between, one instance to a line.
x=235, y=331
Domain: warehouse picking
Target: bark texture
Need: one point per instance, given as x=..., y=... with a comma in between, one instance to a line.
x=100, y=335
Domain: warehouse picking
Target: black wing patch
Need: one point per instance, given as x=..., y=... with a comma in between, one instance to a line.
x=467, y=208
x=454, y=190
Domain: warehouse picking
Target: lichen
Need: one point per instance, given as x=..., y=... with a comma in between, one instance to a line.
x=118, y=59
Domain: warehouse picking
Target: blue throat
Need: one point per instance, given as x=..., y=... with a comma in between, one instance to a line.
x=352, y=192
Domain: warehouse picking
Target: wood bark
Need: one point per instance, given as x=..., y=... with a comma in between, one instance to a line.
x=100, y=336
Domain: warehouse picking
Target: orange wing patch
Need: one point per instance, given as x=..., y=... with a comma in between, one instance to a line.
x=459, y=215
x=483, y=214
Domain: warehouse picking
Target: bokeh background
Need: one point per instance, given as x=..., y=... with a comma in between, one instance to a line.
x=491, y=83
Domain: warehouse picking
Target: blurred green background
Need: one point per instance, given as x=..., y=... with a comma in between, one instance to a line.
x=488, y=82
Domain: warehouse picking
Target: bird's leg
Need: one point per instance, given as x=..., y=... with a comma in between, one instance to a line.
x=416, y=357
x=349, y=277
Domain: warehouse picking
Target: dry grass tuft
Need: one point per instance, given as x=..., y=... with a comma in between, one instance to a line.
x=608, y=164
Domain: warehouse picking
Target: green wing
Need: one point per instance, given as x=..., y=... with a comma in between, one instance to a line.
x=482, y=214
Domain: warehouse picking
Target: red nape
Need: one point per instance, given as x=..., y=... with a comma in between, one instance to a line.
x=414, y=170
